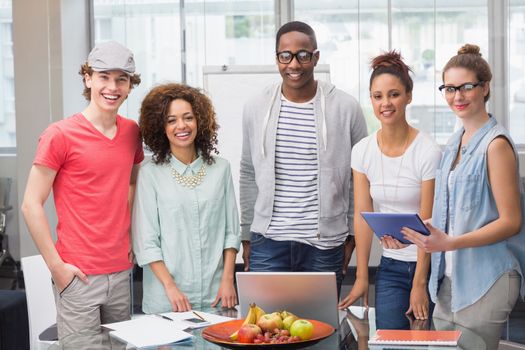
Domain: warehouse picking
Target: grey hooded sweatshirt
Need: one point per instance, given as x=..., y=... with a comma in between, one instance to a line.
x=339, y=124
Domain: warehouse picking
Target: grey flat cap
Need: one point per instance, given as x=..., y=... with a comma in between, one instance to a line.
x=111, y=55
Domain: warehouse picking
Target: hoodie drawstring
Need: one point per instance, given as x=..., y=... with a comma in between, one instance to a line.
x=324, y=133
x=266, y=120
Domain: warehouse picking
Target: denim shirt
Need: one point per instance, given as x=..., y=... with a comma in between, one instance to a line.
x=472, y=206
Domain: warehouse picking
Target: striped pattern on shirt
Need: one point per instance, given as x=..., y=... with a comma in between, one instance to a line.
x=296, y=206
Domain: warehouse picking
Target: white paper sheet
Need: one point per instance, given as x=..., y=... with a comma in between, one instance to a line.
x=149, y=330
x=152, y=330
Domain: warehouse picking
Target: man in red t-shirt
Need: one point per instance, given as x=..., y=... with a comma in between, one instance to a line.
x=90, y=161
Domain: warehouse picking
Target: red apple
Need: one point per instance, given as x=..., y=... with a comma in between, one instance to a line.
x=269, y=322
x=304, y=329
x=248, y=333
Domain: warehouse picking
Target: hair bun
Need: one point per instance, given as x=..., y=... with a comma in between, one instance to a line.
x=392, y=63
x=392, y=58
x=469, y=49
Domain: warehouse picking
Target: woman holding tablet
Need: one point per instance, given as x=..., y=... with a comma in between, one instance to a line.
x=393, y=171
x=476, y=273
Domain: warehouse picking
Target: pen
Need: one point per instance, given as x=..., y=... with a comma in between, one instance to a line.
x=164, y=317
x=199, y=316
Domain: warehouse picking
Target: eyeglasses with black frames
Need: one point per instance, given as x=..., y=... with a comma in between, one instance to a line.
x=449, y=90
x=302, y=56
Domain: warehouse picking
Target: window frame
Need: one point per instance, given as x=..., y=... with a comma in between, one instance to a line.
x=498, y=21
x=7, y=150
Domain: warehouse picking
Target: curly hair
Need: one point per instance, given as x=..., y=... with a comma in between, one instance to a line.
x=392, y=63
x=86, y=69
x=153, y=119
x=469, y=57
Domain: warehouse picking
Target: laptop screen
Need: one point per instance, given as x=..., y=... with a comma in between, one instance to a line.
x=310, y=295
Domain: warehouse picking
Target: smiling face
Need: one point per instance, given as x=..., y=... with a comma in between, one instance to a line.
x=389, y=98
x=465, y=104
x=298, y=78
x=109, y=89
x=181, y=128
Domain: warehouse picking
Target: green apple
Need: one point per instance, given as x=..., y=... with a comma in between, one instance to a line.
x=288, y=320
x=304, y=329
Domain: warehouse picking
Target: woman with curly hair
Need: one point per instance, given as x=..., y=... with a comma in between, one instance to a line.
x=185, y=223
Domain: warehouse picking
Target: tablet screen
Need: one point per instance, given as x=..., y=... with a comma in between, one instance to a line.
x=391, y=224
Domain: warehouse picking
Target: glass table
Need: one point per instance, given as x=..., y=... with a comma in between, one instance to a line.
x=356, y=326
x=362, y=323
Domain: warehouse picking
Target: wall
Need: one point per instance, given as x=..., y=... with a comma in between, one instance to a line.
x=50, y=39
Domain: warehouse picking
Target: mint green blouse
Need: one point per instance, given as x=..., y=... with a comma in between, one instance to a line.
x=186, y=228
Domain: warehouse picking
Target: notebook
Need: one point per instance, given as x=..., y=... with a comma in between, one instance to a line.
x=415, y=337
x=391, y=224
x=310, y=295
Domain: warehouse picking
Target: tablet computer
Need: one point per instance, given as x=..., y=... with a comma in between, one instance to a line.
x=390, y=224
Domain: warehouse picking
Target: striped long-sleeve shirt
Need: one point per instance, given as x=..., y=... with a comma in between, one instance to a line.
x=296, y=207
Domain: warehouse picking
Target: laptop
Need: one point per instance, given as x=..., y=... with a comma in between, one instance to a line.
x=310, y=295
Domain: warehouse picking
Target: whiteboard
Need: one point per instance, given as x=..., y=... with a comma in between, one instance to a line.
x=229, y=87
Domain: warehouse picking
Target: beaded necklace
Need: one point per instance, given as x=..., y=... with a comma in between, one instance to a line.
x=190, y=181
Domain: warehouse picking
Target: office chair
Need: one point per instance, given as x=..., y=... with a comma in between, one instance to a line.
x=41, y=309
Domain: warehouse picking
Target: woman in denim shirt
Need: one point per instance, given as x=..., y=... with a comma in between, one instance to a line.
x=477, y=215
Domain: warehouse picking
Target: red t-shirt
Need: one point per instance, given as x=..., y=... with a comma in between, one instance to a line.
x=91, y=190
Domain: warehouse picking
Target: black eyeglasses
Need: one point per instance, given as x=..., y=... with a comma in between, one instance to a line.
x=302, y=56
x=449, y=90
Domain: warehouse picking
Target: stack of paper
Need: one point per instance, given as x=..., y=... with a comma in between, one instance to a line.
x=148, y=331
x=152, y=330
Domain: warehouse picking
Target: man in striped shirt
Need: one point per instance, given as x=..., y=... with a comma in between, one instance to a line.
x=295, y=185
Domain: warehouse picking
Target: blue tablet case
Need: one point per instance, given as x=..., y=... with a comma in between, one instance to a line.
x=391, y=224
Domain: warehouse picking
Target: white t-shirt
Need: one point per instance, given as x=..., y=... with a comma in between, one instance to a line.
x=395, y=182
